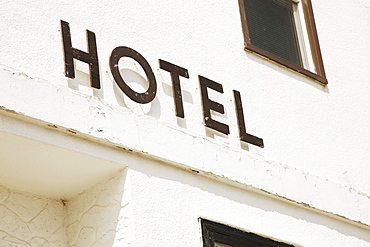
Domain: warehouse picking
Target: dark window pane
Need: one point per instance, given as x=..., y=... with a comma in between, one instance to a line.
x=272, y=28
x=218, y=235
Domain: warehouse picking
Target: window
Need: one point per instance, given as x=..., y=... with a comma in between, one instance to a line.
x=283, y=31
x=218, y=235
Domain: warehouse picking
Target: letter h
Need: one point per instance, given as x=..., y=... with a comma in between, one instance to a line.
x=90, y=57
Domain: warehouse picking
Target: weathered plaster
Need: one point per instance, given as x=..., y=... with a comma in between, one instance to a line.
x=30, y=220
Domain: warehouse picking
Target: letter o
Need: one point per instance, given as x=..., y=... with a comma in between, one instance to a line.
x=123, y=51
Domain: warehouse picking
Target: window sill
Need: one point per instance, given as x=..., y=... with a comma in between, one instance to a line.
x=285, y=63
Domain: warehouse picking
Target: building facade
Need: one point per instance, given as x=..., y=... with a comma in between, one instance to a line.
x=173, y=123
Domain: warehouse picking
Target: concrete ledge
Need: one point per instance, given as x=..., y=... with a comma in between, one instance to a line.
x=90, y=118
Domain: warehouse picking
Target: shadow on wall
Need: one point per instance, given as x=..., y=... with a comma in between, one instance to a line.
x=134, y=80
x=139, y=84
x=83, y=79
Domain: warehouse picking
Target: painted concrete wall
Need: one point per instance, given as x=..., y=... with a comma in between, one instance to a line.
x=154, y=204
x=316, y=138
x=322, y=131
x=166, y=201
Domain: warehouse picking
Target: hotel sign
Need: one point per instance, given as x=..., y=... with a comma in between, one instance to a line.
x=91, y=58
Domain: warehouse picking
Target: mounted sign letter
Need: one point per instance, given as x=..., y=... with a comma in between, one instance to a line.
x=123, y=51
x=176, y=72
x=90, y=57
x=209, y=105
x=244, y=136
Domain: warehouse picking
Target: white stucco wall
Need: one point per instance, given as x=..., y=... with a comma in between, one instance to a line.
x=28, y=220
x=316, y=152
x=97, y=216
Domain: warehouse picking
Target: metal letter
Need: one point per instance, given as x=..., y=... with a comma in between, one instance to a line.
x=123, y=51
x=90, y=57
x=212, y=105
x=244, y=136
x=176, y=72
